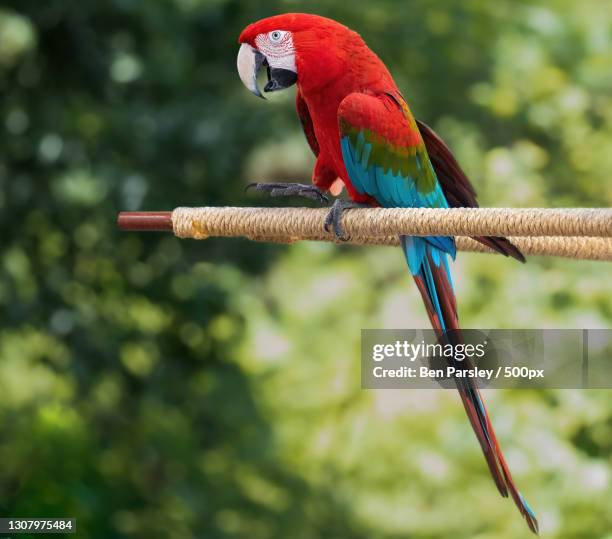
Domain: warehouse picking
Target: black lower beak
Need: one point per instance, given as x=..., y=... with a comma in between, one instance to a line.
x=279, y=79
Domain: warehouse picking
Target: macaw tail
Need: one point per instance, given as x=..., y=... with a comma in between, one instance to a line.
x=428, y=262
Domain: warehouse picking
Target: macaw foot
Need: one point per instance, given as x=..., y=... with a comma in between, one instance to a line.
x=291, y=189
x=334, y=217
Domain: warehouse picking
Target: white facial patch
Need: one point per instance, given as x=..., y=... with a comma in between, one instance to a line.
x=277, y=47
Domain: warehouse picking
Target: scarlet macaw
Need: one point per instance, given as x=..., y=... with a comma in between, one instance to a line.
x=361, y=130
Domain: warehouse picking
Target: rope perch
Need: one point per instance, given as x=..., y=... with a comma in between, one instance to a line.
x=571, y=233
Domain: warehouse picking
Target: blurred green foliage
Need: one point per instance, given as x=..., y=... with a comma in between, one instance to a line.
x=153, y=387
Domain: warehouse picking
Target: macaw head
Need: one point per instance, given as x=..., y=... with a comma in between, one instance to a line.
x=294, y=47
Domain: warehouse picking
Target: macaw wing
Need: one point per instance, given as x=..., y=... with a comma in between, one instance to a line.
x=306, y=121
x=385, y=158
x=324, y=177
x=457, y=188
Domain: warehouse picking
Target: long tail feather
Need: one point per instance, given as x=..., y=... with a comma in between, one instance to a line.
x=432, y=276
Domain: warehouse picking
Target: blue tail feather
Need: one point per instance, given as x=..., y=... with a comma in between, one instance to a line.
x=416, y=250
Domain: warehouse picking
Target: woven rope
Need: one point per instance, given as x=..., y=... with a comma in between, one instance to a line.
x=570, y=233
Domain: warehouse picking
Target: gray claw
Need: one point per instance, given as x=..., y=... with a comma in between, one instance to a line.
x=334, y=217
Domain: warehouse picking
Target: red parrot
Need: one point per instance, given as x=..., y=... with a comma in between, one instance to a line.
x=362, y=131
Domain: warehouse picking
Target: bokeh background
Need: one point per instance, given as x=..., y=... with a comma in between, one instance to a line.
x=153, y=387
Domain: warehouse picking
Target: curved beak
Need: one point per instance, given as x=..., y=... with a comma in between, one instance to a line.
x=250, y=61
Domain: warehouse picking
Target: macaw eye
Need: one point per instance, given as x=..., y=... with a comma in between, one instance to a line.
x=276, y=36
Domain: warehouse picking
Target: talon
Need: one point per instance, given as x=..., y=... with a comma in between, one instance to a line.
x=341, y=235
x=327, y=222
x=317, y=196
x=334, y=218
x=339, y=231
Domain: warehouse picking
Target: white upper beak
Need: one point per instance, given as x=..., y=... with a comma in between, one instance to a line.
x=249, y=63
